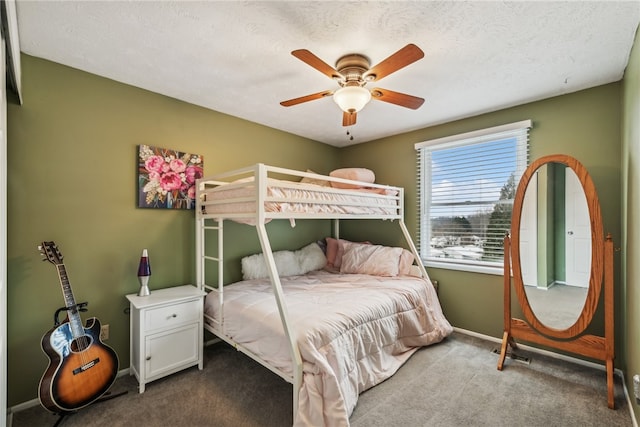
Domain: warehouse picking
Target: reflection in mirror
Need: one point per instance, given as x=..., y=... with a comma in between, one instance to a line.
x=555, y=245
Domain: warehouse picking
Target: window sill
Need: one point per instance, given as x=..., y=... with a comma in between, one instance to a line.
x=461, y=266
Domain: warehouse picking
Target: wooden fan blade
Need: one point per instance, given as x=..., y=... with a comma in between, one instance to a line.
x=397, y=98
x=405, y=56
x=348, y=119
x=309, y=58
x=296, y=101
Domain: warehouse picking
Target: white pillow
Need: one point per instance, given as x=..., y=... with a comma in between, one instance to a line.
x=288, y=263
x=255, y=267
x=375, y=260
x=310, y=258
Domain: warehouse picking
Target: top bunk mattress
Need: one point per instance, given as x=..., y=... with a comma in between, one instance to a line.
x=259, y=194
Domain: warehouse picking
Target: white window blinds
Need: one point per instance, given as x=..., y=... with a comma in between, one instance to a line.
x=467, y=184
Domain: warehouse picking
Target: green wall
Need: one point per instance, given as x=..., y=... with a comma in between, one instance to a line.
x=585, y=125
x=630, y=243
x=72, y=164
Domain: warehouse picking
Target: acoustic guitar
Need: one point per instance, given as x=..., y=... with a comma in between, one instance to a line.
x=81, y=367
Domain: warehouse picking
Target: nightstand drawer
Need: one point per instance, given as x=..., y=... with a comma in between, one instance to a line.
x=173, y=315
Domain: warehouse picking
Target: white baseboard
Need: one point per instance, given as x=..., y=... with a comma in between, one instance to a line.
x=628, y=397
x=536, y=350
x=564, y=357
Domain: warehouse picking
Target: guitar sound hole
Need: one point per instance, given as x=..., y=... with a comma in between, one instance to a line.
x=81, y=343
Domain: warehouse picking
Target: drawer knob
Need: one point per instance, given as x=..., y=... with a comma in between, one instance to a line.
x=148, y=357
x=174, y=315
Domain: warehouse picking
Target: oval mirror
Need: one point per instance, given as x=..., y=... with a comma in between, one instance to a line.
x=556, y=239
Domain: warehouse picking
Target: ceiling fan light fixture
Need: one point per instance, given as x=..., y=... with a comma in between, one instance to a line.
x=352, y=99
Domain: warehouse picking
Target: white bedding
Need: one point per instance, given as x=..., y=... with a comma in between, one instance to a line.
x=294, y=197
x=353, y=332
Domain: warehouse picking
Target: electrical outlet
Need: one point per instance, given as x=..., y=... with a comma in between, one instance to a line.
x=104, y=332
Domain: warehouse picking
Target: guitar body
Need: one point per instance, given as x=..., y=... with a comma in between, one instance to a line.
x=80, y=369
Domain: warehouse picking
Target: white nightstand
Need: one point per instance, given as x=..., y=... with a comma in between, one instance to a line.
x=166, y=332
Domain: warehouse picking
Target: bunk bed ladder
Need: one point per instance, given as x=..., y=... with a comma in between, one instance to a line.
x=200, y=222
x=201, y=261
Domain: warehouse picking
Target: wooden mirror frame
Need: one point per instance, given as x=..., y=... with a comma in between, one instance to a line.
x=533, y=330
x=597, y=249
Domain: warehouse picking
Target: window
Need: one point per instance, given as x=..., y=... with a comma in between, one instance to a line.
x=467, y=184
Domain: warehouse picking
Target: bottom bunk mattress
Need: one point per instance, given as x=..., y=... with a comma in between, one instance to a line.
x=353, y=331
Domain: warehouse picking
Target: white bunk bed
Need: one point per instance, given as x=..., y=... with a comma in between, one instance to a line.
x=258, y=194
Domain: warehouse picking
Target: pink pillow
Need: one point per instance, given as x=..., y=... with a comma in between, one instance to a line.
x=338, y=262
x=375, y=260
x=332, y=251
x=406, y=261
x=355, y=174
x=335, y=250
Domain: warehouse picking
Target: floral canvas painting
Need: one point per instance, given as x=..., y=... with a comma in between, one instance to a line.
x=167, y=178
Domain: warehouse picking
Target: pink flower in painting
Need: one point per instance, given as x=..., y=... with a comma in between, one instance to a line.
x=177, y=165
x=154, y=164
x=154, y=176
x=192, y=173
x=191, y=193
x=170, y=181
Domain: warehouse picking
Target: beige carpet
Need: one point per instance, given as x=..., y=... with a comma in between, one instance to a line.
x=454, y=383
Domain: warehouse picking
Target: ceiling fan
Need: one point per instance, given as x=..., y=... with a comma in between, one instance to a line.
x=353, y=72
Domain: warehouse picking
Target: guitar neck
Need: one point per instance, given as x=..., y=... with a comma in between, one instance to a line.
x=69, y=301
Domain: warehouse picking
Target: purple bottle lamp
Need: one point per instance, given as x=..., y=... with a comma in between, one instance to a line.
x=144, y=271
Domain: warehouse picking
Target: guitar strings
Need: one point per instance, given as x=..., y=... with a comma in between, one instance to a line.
x=77, y=329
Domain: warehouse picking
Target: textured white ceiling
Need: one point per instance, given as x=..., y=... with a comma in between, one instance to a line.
x=234, y=57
